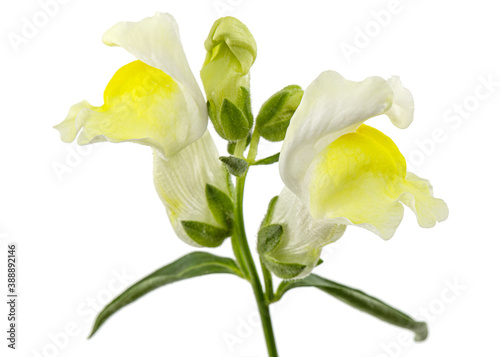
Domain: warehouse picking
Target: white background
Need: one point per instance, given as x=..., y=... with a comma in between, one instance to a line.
x=101, y=218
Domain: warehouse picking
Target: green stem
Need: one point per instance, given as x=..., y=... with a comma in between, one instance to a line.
x=248, y=262
x=254, y=144
x=239, y=257
x=268, y=281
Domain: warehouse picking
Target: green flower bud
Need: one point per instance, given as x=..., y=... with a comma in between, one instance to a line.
x=275, y=114
x=231, y=51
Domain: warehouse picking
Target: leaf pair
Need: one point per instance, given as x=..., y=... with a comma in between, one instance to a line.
x=201, y=263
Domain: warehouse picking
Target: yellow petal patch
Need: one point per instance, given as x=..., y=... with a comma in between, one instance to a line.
x=361, y=177
x=141, y=104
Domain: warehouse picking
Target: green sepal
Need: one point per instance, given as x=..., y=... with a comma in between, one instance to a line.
x=270, y=210
x=360, y=301
x=204, y=234
x=235, y=166
x=275, y=114
x=221, y=206
x=268, y=160
x=234, y=123
x=268, y=238
x=189, y=266
x=212, y=114
x=283, y=270
x=247, y=105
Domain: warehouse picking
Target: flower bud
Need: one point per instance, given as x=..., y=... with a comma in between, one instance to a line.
x=231, y=51
x=275, y=114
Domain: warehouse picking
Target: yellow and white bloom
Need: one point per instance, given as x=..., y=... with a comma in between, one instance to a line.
x=346, y=172
x=181, y=184
x=154, y=101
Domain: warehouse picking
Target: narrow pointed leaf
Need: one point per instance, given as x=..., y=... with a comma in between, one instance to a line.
x=268, y=160
x=360, y=301
x=189, y=266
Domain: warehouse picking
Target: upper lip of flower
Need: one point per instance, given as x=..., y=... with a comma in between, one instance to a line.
x=154, y=41
x=333, y=106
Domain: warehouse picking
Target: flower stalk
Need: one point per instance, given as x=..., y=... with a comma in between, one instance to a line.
x=243, y=251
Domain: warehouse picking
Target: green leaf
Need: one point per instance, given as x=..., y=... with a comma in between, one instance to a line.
x=189, y=266
x=221, y=206
x=204, y=234
x=268, y=238
x=234, y=123
x=275, y=114
x=268, y=160
x=234, y=165
x=360, y=301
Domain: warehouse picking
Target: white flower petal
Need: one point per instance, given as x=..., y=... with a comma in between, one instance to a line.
x=401, y=112
x=70, y=126
x=180, y=182
x=331, y=107
x=427, y=208
x=156, y=41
